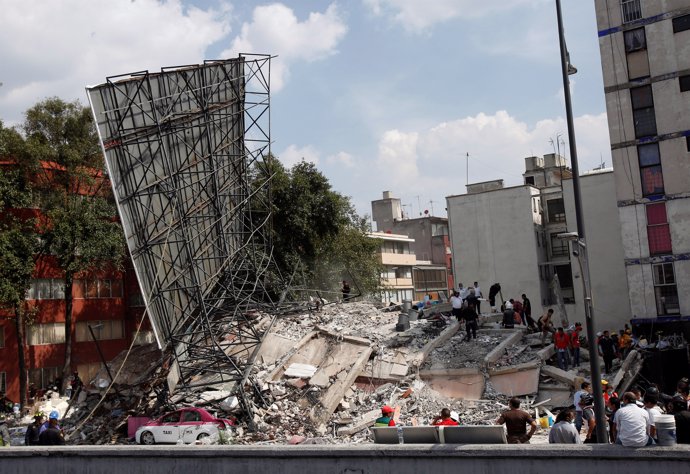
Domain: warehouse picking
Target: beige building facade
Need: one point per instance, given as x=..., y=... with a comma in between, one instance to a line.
x=645, y=54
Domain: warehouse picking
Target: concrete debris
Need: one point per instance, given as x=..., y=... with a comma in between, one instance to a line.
x=324, y=375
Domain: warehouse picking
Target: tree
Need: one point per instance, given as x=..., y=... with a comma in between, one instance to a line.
x=317, y=229
x=18, y=246
x=80, y=230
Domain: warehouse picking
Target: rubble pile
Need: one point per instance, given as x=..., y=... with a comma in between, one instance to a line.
x=324, y=375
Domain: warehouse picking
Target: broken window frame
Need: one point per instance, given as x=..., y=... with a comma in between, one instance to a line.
x=665, y=287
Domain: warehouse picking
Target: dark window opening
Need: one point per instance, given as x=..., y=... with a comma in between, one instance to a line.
x=684, y=82
x=681, y=23
x=635, y=40
x=643, y=111
x=556, y=210
x=529, y=180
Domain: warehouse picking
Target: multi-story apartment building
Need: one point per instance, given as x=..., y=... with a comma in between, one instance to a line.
x=429, y=234
x=645, y=57
x=108, y=300
x=508, y=235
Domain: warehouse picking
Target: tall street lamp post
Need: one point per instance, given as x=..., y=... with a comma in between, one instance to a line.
x=579, y=240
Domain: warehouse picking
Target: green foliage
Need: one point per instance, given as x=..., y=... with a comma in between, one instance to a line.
x=317, y=233
x=18, y=240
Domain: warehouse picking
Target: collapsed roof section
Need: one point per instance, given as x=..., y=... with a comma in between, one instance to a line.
x=181, y=146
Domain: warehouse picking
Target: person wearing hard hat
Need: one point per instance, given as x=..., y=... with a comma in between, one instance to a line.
x=445, y=419
x=607, y=390
x=52, y=435
x=54, y=415
x=32, y=431
x=386, y=418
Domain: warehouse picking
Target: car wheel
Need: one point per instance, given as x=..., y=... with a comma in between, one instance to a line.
x=202, y=436
x=147, y=438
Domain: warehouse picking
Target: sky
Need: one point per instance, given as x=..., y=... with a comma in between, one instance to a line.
x=382, y=95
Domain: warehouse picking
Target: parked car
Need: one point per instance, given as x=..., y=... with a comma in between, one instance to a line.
x=186, y=424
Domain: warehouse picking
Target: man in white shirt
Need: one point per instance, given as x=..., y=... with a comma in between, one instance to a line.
x=585, y=388
x=462, y=291
x=632, y=424
x=456, y=303
x=478, y=294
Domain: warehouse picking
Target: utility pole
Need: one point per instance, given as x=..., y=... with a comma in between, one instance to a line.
x=566, y=69
x=431, y=205
x=419, y=205
x=467, y=168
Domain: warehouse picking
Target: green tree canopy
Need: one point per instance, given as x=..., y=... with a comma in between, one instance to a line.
x=316, y=230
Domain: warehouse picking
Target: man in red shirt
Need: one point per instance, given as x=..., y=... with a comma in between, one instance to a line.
x=561, y=341
x=444, y=419
x=386, y=418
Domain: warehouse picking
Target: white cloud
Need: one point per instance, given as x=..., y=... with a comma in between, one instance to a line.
x=275, y=29
x=342, y=159
x=417, y=16
x=294, y=154
x=57, y=48
x=432, y=162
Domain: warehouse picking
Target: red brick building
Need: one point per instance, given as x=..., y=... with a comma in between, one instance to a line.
x=107, y=299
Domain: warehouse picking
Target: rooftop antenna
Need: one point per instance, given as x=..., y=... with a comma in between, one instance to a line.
x=431, y=205
x=419, y=205
x=467, y=168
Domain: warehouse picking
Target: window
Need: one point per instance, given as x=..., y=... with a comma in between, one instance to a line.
x=103, y=330
x=3, y=382
x=46, y=289
x=658, y=232
x=191, y=415
x=144, y=337
x=681, y=23
x=50, y=333
x=687, y=143
x=631, y=10
x=556, y=210
x=635, y=40
x=529, y=180
x=643, y=111
x=559, y=247
x=44, y=376
x=684, y=82
x=98, y=288
x=665, y=290
x=136, y=300
x=651, y=176
x=173, y=417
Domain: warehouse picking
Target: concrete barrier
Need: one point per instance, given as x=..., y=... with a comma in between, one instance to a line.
x=439, y=459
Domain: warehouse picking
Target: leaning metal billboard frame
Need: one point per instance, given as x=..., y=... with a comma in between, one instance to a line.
x=182, y=147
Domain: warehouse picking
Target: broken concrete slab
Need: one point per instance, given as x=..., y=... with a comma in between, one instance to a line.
x=418, y=359
x=364, y=422
x=560, y=375
x=497, y=352
x=304, y=371
x=547, y=352
x=518, y=380
x=631, y=367
x=466, y=384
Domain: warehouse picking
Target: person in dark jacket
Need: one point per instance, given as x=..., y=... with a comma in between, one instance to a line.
x=607, y=350
x=32, y=431
x=494, y=290
x=51, y=436
x=682, y=417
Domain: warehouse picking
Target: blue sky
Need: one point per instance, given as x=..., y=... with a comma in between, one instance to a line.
x=381, y=94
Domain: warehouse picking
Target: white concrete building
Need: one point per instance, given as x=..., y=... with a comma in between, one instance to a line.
x=508, y=236
x=645, y=55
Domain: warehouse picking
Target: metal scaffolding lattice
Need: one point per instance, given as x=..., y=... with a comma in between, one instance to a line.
x=182, y=148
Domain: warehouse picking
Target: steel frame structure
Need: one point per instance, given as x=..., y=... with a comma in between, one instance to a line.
x=182, y=147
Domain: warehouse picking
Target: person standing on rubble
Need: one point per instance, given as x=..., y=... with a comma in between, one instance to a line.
x=51, y=436
x=444, y=419
x=587, y=405
x=508, y=315
x=386, y=418
x=561, y=342
x=585, y=389
x=469, y=314
x=5, y=437
x=575, y=344
x=546, y=325
x=493, y=292
x=346, y=291
x=478, y=294
x=607, y=350
x=456, y=303
x=516, y=422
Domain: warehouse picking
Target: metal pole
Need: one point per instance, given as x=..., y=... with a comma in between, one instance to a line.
x=599, y=409
x=98, y=348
